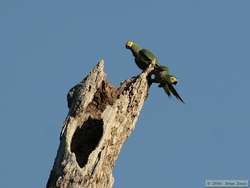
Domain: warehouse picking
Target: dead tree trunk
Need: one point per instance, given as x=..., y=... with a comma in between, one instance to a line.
x=100, y=119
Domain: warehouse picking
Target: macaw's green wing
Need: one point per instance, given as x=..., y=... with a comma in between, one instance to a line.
x=174, y=92
x=147, y=55
x=162, y=68
x=166, y=89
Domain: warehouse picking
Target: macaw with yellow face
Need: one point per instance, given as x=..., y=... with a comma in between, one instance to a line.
x=167, y=81
x=143, y=57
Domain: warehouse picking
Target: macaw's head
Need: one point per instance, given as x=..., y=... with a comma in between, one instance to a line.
x=173, y=80
x=129, y=44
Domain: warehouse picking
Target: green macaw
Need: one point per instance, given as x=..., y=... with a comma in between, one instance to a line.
x=166, y=81
x=143, y=57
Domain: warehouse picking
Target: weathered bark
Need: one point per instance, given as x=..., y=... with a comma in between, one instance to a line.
x=100, y=119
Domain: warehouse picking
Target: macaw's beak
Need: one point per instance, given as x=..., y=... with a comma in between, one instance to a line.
x=175, y=82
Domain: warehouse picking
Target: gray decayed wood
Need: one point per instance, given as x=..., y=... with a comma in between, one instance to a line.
x=100, y=119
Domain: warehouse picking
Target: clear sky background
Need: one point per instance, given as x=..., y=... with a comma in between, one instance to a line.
x=46, y=47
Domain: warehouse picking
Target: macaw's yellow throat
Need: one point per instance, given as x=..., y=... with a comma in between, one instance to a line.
x=129, y=44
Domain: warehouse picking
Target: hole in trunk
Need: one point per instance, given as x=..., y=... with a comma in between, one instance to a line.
x=85, y=139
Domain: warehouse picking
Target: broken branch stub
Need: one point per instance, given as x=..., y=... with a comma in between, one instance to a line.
x=100, y=119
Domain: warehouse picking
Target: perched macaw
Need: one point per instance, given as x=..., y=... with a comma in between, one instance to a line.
x=143, y=57
x=166, y=81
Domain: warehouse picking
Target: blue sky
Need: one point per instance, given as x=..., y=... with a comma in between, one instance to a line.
x=48, y=46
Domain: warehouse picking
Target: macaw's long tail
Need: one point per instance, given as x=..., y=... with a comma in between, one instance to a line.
x=166, y=89
x=169, y=89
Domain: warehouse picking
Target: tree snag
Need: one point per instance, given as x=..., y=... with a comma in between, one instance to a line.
x=100, y=119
